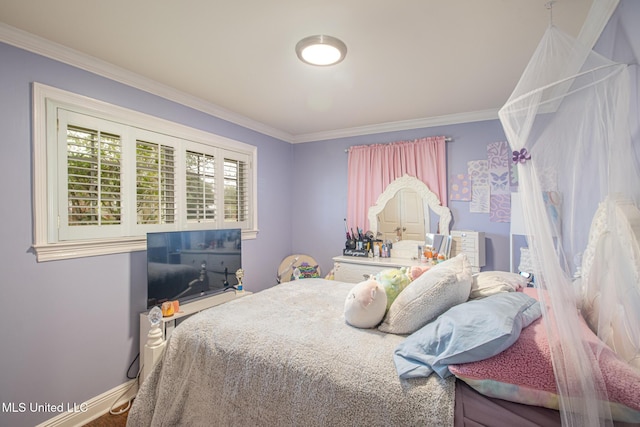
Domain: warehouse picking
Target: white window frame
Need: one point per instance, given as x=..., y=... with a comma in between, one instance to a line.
x=47, y=246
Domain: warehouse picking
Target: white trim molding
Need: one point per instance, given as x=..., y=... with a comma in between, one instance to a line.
x=79, y=414
x=451, y=119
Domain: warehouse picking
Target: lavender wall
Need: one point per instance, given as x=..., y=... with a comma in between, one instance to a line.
x=320, y=190
x=71, y=327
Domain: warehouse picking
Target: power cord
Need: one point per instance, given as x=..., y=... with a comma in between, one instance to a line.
x=131, y=366
x=120, y=411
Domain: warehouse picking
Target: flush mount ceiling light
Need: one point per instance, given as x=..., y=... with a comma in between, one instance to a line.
x=321, y=50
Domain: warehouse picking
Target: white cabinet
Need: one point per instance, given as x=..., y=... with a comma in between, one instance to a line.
x=356, y=269
x=470, y=243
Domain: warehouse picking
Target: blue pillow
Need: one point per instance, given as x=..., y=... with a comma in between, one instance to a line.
x=468, y=332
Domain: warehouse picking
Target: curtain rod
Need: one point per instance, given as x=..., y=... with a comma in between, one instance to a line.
x=446, y=139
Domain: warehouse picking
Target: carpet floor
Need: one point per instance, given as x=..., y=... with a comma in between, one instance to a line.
x=109, y=420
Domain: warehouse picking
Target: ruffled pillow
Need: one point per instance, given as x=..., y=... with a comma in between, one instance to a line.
x=434, y=292
x=488, y=283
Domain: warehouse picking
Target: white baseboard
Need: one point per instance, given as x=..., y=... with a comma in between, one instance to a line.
x=96, y=407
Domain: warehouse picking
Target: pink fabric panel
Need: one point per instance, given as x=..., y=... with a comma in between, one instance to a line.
x=372, y=167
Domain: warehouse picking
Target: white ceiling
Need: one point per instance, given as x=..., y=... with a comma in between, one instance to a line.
x=409, y=62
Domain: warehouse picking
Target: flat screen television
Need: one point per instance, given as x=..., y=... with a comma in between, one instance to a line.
x=186, y=265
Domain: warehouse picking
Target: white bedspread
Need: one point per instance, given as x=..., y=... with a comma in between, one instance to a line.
x=285, y=356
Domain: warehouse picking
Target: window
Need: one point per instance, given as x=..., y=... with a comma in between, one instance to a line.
x=104, y=176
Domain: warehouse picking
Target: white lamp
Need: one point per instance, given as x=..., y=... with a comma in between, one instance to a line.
x=321, y=50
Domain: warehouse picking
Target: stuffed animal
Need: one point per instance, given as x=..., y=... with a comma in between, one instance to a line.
x=417, y=270
x=366, y=304
x=394, y=280
x=305, y=271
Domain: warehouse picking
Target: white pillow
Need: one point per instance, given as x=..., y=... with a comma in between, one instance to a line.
x=365, y=305
x=488, y=283
x=434, y=292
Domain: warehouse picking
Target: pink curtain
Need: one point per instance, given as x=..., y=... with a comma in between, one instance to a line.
x=372, y=167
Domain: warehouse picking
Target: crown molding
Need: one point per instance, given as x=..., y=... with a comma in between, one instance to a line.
x=55, y=51
x=451, y=119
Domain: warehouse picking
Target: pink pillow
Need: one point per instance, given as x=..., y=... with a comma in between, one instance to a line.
x=523, y=373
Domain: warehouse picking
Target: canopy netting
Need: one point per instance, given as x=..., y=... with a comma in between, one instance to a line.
x=568, y=121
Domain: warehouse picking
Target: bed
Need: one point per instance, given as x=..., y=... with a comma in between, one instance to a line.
x=286, y=356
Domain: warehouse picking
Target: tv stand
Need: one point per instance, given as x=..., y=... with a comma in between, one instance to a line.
x=154, y=341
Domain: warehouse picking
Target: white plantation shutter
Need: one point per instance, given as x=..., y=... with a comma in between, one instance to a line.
x=200, y=174
x=90, y=177
x=155, y=183
x=95, y=199
x=236, y=189
x=93, y=177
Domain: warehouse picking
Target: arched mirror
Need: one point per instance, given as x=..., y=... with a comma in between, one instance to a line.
x=408, y=210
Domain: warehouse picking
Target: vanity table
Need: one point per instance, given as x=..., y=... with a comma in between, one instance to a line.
x=356, y=269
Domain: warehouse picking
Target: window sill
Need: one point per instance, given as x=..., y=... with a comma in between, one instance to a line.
x=80, y=249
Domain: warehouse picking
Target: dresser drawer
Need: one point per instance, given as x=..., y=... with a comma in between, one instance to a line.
x=472, y=244
x=356, y=269
x=354, y=273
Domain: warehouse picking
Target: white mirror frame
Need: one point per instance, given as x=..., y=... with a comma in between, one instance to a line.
x=431, y=202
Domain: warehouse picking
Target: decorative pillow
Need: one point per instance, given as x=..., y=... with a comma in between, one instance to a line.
x=365, y=305
x=394, y=280
x=307, y=271
x=488, y=283
x=467, y=332
x=434, y=292
x=524, y=373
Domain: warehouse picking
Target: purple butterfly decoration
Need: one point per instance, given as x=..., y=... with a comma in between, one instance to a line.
x=521, y=156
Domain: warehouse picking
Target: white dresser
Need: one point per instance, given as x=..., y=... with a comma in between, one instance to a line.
x=470, y=243
x=356, y=269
